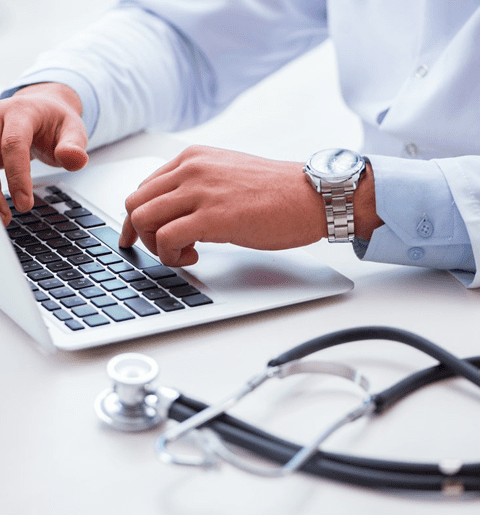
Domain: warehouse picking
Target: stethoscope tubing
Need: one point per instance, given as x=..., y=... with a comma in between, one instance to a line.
x=356, y=470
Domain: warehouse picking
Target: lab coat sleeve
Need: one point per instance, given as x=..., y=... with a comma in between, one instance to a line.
x=172, y=64
x=430, y=212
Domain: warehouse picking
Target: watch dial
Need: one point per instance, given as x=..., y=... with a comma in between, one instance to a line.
x=336, y=164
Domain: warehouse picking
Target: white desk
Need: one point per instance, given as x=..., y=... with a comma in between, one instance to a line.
x=57, y=458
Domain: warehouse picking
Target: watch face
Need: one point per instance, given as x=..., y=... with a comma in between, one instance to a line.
x=335, y=165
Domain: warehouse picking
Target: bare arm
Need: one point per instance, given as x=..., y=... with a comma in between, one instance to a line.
x=214, y=195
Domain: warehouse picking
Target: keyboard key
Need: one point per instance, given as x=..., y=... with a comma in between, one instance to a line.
x=45, y=210
x=69, y=275
x=172, y=282
x=133, y=255
x=77, y=212
x=143, y=285
x=80, y=259
x=99, y=277
x=78, y=284
x=118, y=313
x=125, y=294
x=51, y=305
x=184, y=291
x=102, y=302
x=52, y=188
x=69, y=251
x=24, y=241
x=141, y=307
x=40, y=296
x=30, y=266
x=66, y=227
x=155, y=293
x=63, y=315
x=38, y=202
x=73, y=203
x=48, y=235
x=37, y=249
x=38, y=275
x=89, y=221
x=99, y=251
x=53, y=199
x=96, y=320
x=90, y=268
x=120, y=267
x=16, y=232
x=84, y=311
x=60, y=293
x=56, y=219
x=109, y=259
x=86, y=243
x=74, y=325
x=40, y=226
x=48, y=257
x=159, y=272
x=76, y=235
x=58, y=243
x=58, y=266
x=134, y=275
x=49, y=284
x=90, y=293
x=169, y=304
x=22, y=256
x=72, y=302
x=27, y=219
x=113, y=285
x=197, y=300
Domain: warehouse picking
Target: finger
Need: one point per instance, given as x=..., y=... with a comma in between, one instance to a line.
x=17, y=137
x=129, y=235
x=71, y=144
x=146, y=192
x=163, y=170
x=176, y=240
x=152, y=215
x=5, y=210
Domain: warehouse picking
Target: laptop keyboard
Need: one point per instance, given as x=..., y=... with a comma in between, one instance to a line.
x=78, y=273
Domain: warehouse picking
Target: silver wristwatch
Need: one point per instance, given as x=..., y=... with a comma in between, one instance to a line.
x=335, y=173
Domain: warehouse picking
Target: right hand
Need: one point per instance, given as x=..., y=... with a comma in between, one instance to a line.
x=40, y=121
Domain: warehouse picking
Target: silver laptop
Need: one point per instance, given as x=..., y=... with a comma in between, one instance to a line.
x=83, y=291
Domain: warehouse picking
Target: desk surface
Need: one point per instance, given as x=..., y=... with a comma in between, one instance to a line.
x=59, y=460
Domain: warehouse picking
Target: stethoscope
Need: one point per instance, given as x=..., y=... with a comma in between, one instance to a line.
x=132, y=404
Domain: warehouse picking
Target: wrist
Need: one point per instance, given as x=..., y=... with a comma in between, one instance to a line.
x=54, y=91
x=366, y=219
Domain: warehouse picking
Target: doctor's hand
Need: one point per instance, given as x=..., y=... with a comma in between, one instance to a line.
x=212, y=195
x=40, y=121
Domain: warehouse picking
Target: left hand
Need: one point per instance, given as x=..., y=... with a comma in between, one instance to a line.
x=213, y=195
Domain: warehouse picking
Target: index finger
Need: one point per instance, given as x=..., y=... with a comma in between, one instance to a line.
x=17, y=137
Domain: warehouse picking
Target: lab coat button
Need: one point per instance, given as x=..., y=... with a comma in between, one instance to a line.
x=416, y=253
x=411, y=149
x=421, y=71
x=425, y=228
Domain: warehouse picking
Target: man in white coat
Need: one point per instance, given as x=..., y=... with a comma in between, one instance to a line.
x=409, y=69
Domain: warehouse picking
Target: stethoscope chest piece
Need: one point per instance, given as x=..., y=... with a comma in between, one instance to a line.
x=131, y=404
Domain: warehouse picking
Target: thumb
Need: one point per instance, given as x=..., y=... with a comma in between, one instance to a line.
x=70, y=156
x=70, y=148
